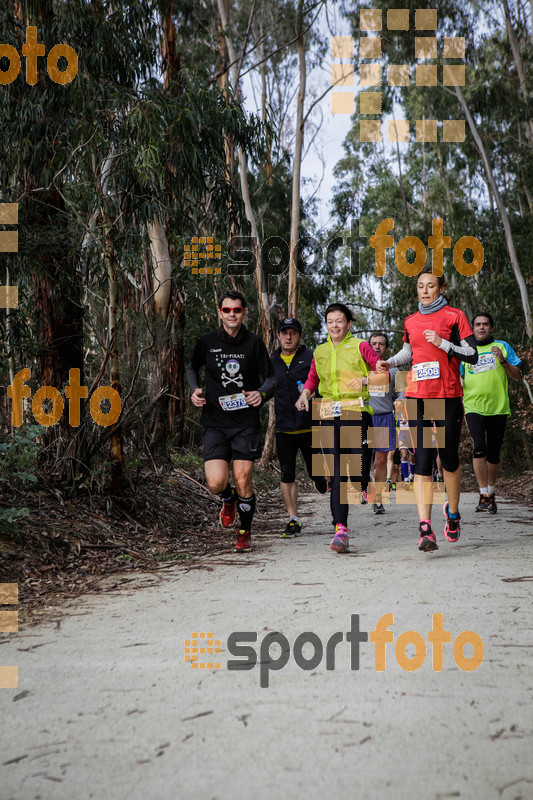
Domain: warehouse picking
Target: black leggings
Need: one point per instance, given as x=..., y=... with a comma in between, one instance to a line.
x=353, y=443
x=287, y=445
x=487, y=435
x=445, y=414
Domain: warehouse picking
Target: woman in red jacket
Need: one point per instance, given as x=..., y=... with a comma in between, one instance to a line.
x=436, y=338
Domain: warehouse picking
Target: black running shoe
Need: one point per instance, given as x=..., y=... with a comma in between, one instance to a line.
x=293, y=529
x=483, y=504
x=492, y=508
x=377, y=508
x=321, y=485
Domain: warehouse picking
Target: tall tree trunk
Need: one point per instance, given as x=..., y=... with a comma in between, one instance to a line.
x=229, y=146
x=449, y=213
x=262, y=288
x=154, y=379
x=503, y=215
x=519, y=65
x=172, y=366
x=171, y=61
x=161, y=267
x=168, y=301
x=264, y=107
x=296, y=169
x=58, y=311
x=444, y=177
x=9, y=333
x=57, y=303
x=528, y=198
x=424, y=175
x=169, y=317
x=116, y=449
x=402, y=190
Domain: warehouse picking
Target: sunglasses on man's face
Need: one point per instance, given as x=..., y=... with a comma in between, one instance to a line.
x=226, y=310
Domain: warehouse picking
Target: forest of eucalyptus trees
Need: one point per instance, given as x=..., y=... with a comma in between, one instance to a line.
x=194, y=119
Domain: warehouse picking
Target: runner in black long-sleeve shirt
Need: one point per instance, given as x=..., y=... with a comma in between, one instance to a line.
x=235, y=361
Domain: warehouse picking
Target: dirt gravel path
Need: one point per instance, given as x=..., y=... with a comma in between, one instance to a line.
x=108, y=708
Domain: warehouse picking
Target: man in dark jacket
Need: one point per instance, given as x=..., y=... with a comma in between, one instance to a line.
x=238, y=378
x=291, y=362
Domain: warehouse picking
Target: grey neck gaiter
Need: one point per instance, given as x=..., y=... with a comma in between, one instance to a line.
x=436, y=305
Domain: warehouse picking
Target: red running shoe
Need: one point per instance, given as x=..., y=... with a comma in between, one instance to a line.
x=227, y=513
x=243, y=543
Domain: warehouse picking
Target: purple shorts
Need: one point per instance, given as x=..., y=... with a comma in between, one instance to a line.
x=384, y=421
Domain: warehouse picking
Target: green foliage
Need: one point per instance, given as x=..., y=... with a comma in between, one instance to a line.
x=18, y=458
x=90, y=163
x=417, y=182
x=189, y=461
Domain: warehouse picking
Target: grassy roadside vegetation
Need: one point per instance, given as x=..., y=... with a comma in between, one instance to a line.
x=61, y=544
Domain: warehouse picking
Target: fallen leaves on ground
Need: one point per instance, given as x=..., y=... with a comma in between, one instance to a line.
x=68, y=544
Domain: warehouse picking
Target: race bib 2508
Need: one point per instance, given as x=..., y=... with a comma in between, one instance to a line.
x=426, y=371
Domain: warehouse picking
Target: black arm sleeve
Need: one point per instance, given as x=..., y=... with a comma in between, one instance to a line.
x=465, y=351
x=192, y=377
x=266, y=370
x=268, y=387
x=196, y=363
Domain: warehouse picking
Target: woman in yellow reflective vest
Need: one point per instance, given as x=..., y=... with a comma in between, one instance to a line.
x=339, y=371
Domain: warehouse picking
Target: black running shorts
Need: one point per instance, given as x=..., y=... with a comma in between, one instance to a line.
x=287, y=445
x=424, y=415
x=487, y=435
x=228, y=444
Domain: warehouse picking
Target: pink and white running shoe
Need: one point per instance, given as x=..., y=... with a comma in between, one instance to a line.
x=340, y=543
